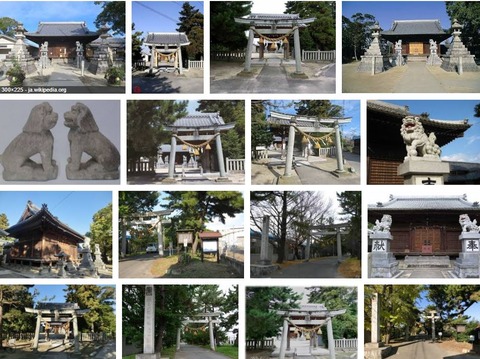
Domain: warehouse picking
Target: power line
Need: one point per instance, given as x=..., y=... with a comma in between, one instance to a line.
x=155, y=11
x=64, y=198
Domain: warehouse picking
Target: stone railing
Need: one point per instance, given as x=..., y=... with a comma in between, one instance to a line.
x=327, y=152
x=346, y=343
x=260, y=154
x=141, y=166
x=259, y=344
x=93, y=337
x=195, y=64
x=235, y=165
x=139, y=64
x=318, y=55
x=227, y=56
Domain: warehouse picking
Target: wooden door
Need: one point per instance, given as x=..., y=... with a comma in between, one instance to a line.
x=426, y=240
x=416, y=48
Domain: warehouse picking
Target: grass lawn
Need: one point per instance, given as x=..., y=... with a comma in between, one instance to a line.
x=228, y=350
x=351, y=268
x=166, y=352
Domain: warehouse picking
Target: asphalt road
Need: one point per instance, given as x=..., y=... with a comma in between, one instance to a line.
x=137, y=267
x=423, y=350
x=193, y=352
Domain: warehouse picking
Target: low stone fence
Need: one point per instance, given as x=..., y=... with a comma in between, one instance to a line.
x=318, y=55
x=139, y=64
x=327, y=152
x=235, y=165
x=346, y=343
x=227, y=56
x=195, y=64
x=141, y=166
x=93, y=337
x=259, y=344
x=260, y=154
x=234, y=263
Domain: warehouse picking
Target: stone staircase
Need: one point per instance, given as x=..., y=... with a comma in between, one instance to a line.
x=427, y=262
x=417, y=58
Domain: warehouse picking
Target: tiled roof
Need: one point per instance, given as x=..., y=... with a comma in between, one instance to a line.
x=273, y=17
x=421, y=203
x=72, y=28
x=167, y=38
x=207, y=119
x=402, y=111
x=415, y=27
x=209, y=235
x=57, y=306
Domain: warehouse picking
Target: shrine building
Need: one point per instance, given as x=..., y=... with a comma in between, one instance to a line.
x=386, y=149
x=41, y=237
x=425, y=225
x=165, y=49
x=61, y=37
x=415, y=36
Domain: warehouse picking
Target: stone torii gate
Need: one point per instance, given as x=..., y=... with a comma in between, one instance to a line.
x=60, y=314
x=155, y=219
x=166, y=44
x=208, y=319
x=192, y=129
x=309, y=316
x=274, y=27
x=306, y=125
x=325, y=229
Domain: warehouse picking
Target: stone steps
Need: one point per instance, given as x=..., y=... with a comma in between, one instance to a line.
x=427, y=262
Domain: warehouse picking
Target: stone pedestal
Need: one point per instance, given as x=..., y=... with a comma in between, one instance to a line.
x=374, y=61
x=467, y=264
x=99, y=63
x=384, y=264
x=148, y=356
x=19, y=53
x=422, y=170
x=458, y=58
x=376, y=351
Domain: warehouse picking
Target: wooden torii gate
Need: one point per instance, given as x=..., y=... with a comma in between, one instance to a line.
x=323, y=230
x=309, y=316
x=306, y=125
x=208, y=319
x=154, y=219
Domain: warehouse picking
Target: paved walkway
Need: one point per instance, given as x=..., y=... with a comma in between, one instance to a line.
x=315, y=268
x=425, y=350
x=190, y=81
x=313, y=170
x=193, y=352
x=228, y=77
x=414, y=77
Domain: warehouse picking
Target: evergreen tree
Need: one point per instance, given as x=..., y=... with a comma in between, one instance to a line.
x=196, y=208
x=262, y=304
x=145, y=125
x=351, y=203
x=113, y=13
x=356, y=35
x=7, y=26
x=191, y=23
x=320, y=34
x=225, y=33
x=137, y=42
x=319, y=108
x=100, y=317
x=4, y=221
x=101, y=231
x=467, y=13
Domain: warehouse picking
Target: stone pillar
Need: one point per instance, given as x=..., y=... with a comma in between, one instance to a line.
x=467, y=263
x=339, y=245
x=384, y=264
x=248, y=55
x=298, y=56
x=180, y=61
x=261, y=48
x=221, y=162
x=283, y=343
x=149, y=321
x=152, y=56
x=179, y=334
x=307, y=248
x=124, y=238
x=286, y=49
x=210, y=331
x=338, y=145
x=331, y=340
x=375, y=319
x=37, y=331
x=76, y=338
x=264, y=246
x=160, y=236
x=291, y=143
x=171, y=158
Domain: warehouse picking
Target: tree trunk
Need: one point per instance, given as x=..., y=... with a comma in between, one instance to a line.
x=1, y=318
x=283, y=230
x=161, y=325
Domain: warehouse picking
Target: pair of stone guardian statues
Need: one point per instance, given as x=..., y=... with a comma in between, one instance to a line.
x=37, y=139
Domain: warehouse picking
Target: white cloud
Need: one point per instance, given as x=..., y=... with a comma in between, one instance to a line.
x=462, y=157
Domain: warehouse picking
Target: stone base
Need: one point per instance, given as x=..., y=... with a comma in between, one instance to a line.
x=298, y=75
x=434, y=60
x=366, y=64
x=376, y=351
x=467, y=265
x=262, y=270
x=451, y=64
x=90, y=171
x=223, y=179
x=31, y=171
x=419, y=171
x=169, y=180
x=148, y=356
x=384, y=265
x=98, y=66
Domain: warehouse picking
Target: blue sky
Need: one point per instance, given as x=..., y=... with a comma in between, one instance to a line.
x=387, y=11
x=473, y=312
x=53, y=293
x=31, y=13
x=75, y=209
x=351, y=109
x=462, y=149
x=156, y=16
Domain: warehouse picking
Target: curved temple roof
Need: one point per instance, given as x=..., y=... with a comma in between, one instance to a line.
x=422, y=203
